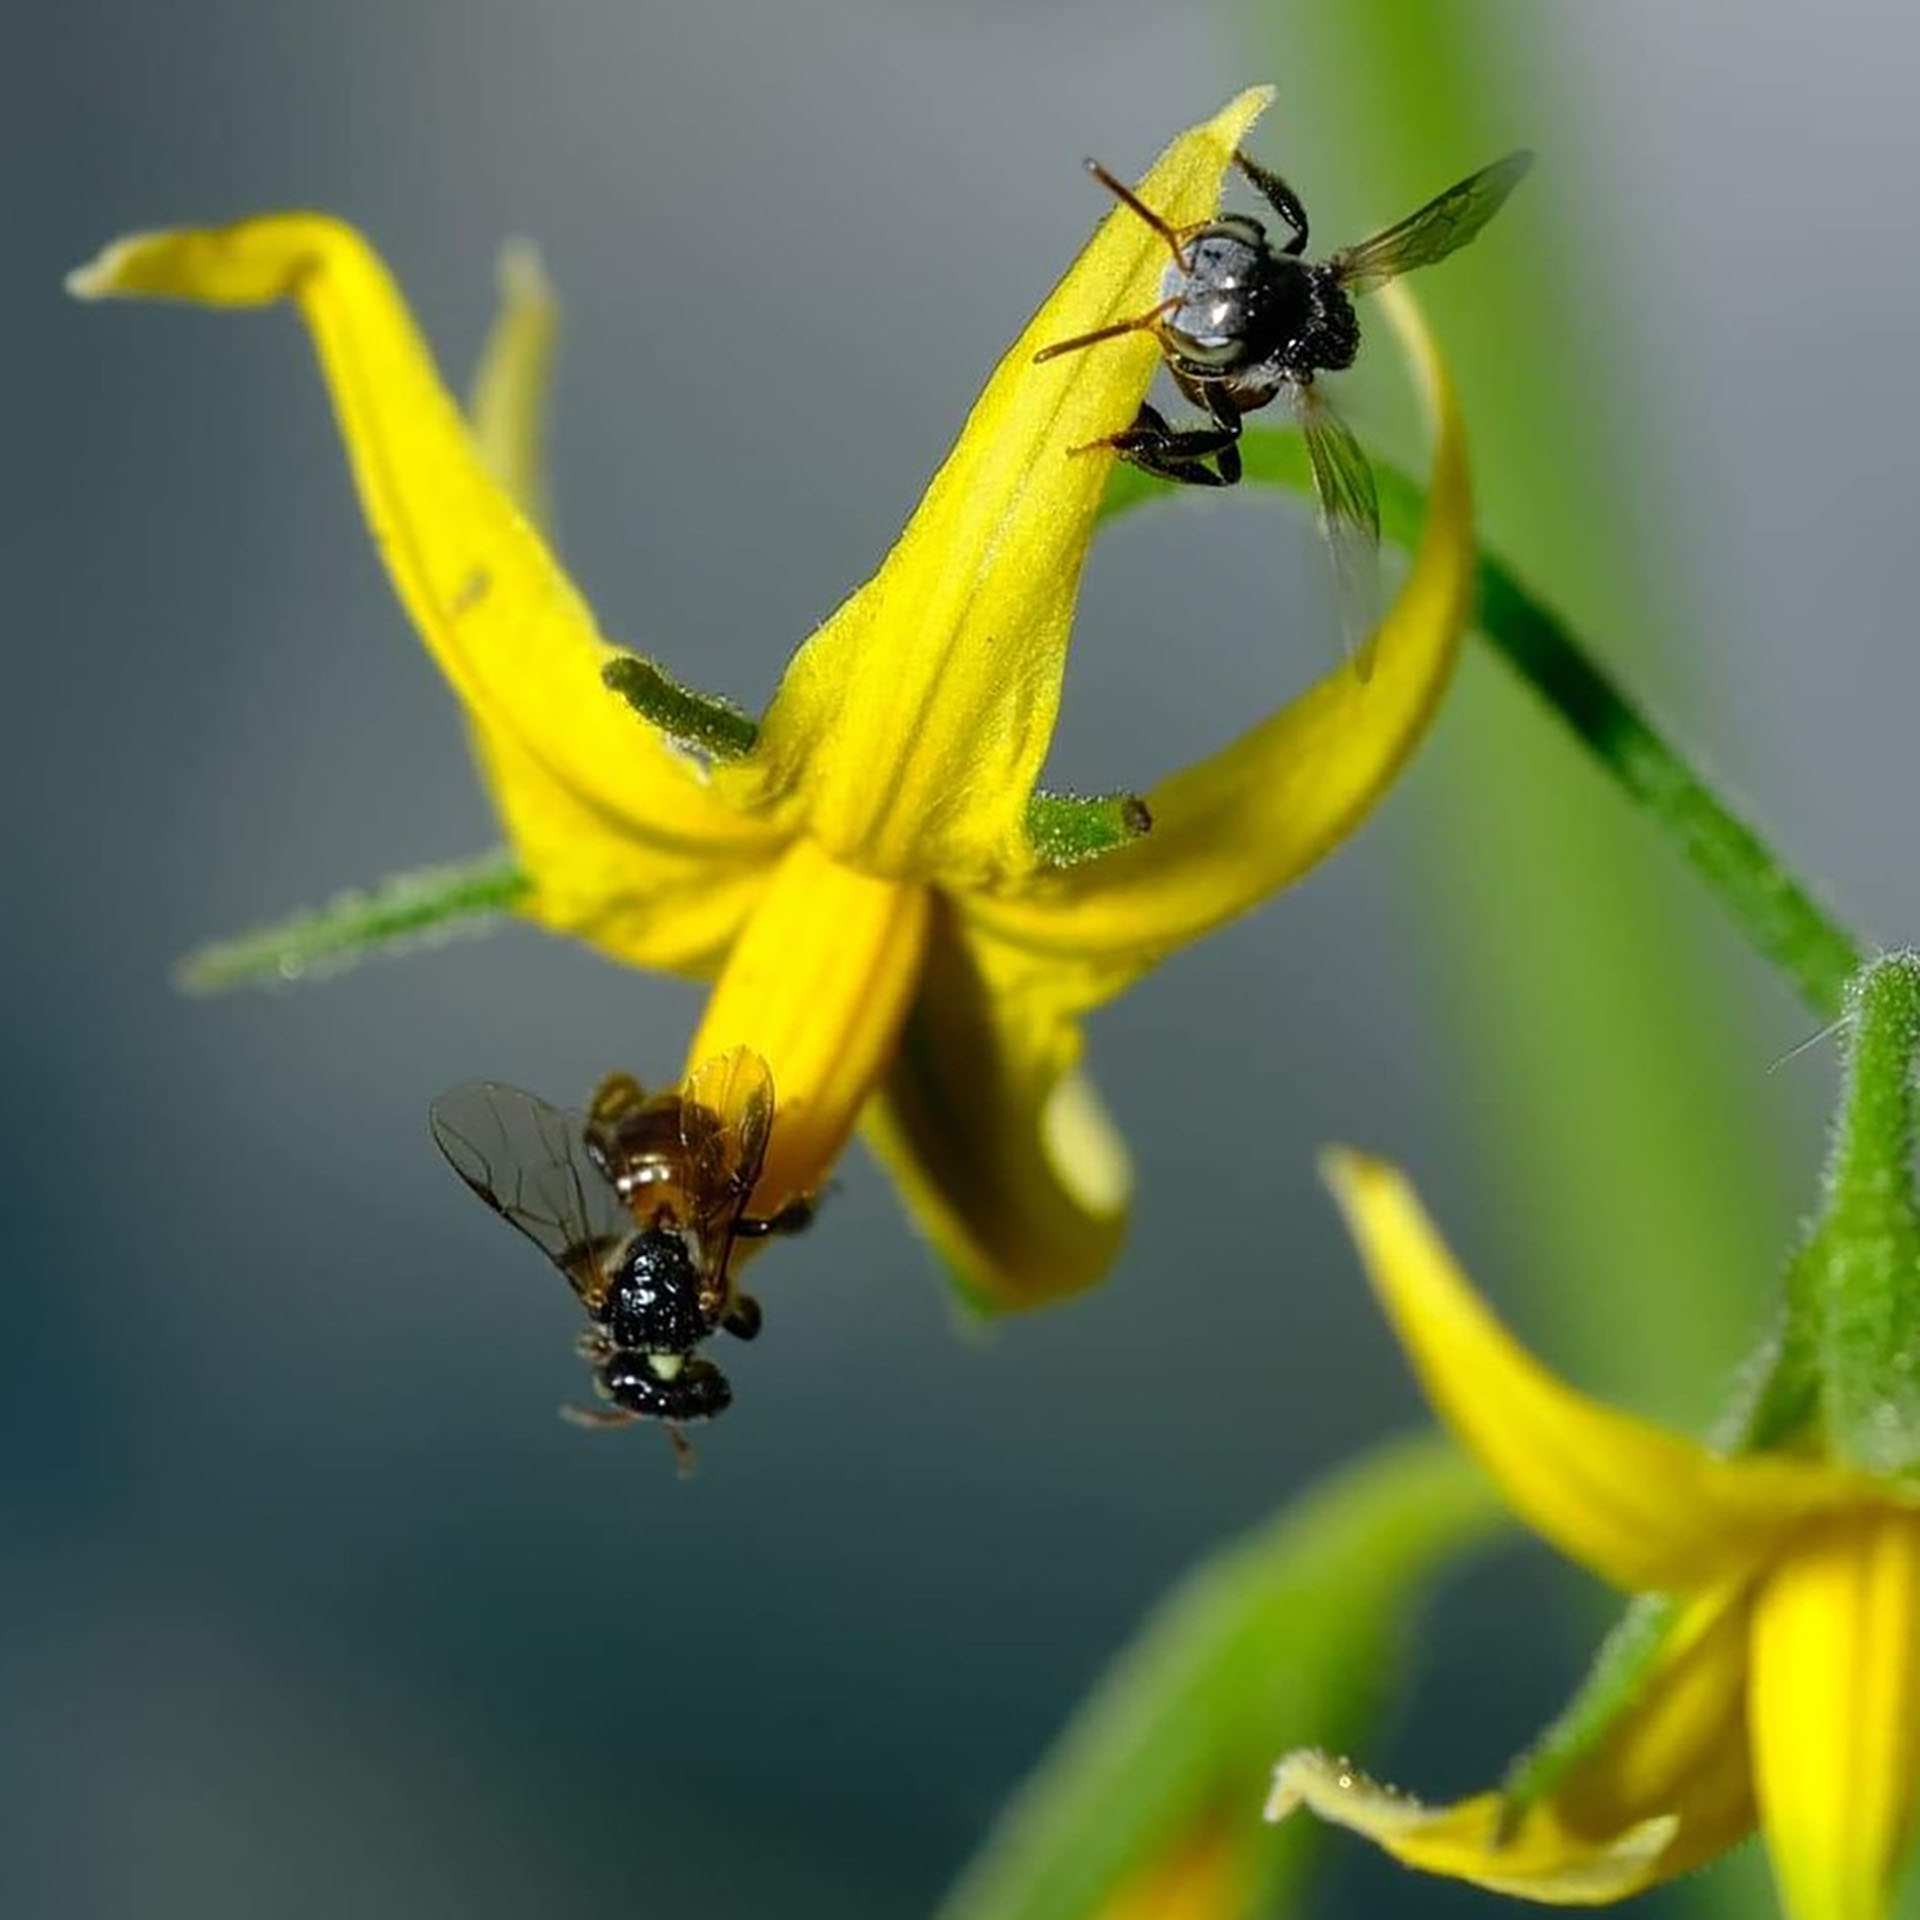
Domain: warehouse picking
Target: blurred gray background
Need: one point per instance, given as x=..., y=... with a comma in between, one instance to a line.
x=310, y=1605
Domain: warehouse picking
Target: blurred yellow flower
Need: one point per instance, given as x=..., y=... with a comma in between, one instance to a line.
x=1783, y=1685
x=894, y=917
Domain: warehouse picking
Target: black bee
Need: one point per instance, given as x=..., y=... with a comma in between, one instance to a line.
x=639, y=1203
x=1241, y=321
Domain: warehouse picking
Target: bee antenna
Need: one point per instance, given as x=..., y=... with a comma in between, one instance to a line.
x=1140, y=323
x=1128, y=198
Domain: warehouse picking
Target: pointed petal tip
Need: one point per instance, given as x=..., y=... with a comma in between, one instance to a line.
x=1338, y=1791
x=1233, y=121
x=1251, y=102
x=1465, y=1841
x=520, y=272
x=101, y=276
x=1348, y=1173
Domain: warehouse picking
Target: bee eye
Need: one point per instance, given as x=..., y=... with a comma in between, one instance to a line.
x=1205, y=350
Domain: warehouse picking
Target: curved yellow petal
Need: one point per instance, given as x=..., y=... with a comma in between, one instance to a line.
x=499, y=616
x=641, y=903
x=911, y=728
x=1836, y=1712
x=1254, y=817
x=508, y=404
x=1667, y=1789
x=1646, y=1509
x=1463, y=1841
x=998, y=1143
x=817, y=985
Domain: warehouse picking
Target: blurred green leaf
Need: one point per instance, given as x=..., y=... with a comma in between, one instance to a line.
x=1585, y=991
x=1290, y=1635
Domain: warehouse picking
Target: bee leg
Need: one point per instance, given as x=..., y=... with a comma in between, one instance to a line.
x=684, y=1458
x=1226, y=416
x=742, y=1317
x=795, y=1217
x=1176, y=453
x=1280, y=197
x=597, y=1419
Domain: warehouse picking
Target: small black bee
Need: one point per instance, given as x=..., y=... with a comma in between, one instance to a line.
x=1240, y=321
x=639, y=1203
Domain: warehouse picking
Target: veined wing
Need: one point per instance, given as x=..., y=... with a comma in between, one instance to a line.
x=528, y=1161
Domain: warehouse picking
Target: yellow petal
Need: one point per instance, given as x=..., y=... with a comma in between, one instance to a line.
x=499, y=616
x=1836, y=1712
x=1644, y=1508
x=817, y=985
x=998, y=1143
x=641, y=902
x=911, y=728
x=1668, y=1788
x=509, y=400
x=1237, y=827
x=1463, y=1841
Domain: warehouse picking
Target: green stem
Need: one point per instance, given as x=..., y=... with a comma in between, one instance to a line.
x=1873, y=1135
x=1860, y=1271
x=405, y=907
x=1780, y=916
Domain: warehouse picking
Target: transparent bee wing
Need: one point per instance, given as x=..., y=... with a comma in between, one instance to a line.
x=1443, y=226
x=1349, y=519
x=528, y=1161
x=726, y=1120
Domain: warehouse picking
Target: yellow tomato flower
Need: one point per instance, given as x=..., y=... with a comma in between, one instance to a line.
x=892, y=915
x=1782, y=1684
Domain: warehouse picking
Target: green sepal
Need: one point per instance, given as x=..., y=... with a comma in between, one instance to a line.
x=1612, y=1688
x=404, y=909
x=702, y=722
x=1065, y=829
x=1290, y=1634
x=1863, y=1259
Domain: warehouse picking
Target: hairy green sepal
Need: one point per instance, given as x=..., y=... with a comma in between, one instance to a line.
x=405, y=909
x=1063, y=829
x=698, y=721
x=1066, y=828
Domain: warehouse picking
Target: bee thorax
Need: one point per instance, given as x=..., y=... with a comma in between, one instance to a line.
x=653, y=1306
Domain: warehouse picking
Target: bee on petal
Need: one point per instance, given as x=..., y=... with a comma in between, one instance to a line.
x=1241, y=321
x=640, y=1202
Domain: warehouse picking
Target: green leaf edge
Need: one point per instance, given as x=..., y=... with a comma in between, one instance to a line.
x=1283, y=1637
